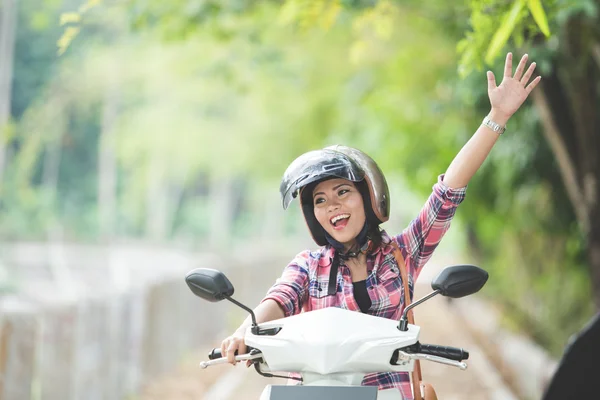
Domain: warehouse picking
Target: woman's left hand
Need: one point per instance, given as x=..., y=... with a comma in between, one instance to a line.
x=513, y=90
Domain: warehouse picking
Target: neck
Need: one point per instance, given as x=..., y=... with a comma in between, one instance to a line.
x=350, y=245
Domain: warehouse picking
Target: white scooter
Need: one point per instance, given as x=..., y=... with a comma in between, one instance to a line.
x=332, y=348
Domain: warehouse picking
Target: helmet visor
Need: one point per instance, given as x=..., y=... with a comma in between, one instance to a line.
x=316, y=165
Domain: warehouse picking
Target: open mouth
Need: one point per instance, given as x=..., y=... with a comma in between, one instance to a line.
x=340, y=221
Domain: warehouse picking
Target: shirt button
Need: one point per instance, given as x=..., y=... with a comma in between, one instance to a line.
x=319, y=289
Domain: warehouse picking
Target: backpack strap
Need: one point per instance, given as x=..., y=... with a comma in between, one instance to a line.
x=332, y=284
x=416, y=373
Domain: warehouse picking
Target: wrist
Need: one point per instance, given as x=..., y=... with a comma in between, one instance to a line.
x=498, y=117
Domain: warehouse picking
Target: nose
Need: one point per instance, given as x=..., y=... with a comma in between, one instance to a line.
x=333, y=205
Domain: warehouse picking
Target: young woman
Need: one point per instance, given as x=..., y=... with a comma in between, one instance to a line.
x=344, y=198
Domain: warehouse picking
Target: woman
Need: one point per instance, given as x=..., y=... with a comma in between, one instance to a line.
x=344, y=198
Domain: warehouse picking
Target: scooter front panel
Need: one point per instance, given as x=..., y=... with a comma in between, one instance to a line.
x=333, y=340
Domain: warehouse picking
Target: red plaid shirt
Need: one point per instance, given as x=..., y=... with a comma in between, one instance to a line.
x=304, y=282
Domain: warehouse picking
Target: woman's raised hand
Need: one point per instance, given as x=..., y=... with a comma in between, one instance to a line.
x=506, y=98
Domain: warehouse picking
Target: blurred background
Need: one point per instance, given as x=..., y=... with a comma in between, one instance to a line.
x=141, y=139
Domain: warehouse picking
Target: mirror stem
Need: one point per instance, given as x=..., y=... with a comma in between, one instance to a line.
x=403, y=325
x=254, y=324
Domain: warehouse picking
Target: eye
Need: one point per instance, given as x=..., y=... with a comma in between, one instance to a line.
x=342, y=192
x=319, y=200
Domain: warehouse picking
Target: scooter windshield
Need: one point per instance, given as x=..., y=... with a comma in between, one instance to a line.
x=316, y=165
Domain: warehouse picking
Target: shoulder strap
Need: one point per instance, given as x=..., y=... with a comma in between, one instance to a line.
x=402, y=266
x=332, y=284
x=416, y=374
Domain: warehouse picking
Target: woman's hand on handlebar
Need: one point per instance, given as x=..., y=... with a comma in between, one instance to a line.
x=233, y=345
x=268, y=310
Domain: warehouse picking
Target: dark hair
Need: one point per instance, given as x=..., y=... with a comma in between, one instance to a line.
x=373, y=230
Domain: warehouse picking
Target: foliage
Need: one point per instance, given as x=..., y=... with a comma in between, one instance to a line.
x=234, y=90
x=511, y=217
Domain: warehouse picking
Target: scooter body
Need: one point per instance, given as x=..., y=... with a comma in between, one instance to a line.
x=333, y=348
x=333, y=342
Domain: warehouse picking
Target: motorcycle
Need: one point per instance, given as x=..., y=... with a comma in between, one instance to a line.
x=333, y=349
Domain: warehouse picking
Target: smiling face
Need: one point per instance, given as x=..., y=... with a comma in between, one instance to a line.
x=339, y=208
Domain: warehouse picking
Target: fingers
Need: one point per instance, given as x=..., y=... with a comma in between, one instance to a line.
x=228, y=349
x=533, y=84
x=527, y=75
x=231, y=352
x=230, y=346
x=491, y=81
x=224, y=346
x=523, y=78
x=521, y=67
x=508, y=65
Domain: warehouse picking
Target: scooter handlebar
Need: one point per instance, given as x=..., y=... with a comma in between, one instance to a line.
x=451, y=353
x=216, y=353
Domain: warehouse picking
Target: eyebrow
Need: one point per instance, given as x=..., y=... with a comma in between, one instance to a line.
x=334, y=188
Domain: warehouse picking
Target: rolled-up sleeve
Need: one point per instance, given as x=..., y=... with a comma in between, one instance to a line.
x=289, y=291
x=425, y=232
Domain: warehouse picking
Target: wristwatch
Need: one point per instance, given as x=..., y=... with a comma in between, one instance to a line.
x=499, y=129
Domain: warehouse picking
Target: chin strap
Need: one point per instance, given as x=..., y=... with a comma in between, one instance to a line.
x=363, y=244
x=362, y=238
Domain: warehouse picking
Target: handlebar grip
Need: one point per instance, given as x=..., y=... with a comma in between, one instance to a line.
x=452, y=353
x=216, y=353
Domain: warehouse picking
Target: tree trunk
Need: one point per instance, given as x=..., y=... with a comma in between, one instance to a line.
x=53, y=153
x=156, y=200
x=8, y=23
x=594, y=254
x=222, y=212
x=580, y=76
x=568, y=102
x=107, y=167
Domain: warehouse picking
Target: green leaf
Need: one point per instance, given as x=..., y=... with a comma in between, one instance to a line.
x=70, y=17
x=503, y=33
x=67, y=37
x=539, y=15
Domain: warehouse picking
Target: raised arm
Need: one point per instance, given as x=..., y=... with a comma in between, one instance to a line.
x=505, y=100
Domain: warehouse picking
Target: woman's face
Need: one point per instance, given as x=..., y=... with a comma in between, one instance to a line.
x=339, y=208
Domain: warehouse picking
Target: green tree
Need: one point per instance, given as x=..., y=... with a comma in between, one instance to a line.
x=230, y=89
x=543, y=175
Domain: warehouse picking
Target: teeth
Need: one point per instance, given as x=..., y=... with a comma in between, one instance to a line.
x=338, y=217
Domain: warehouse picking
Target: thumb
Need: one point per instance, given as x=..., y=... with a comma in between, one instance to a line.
x=491, y=81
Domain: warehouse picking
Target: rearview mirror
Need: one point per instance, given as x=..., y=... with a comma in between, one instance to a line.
x=459, y=281
x=209, y=284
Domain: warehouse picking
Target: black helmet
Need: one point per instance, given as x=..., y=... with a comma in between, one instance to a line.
x=335, y=162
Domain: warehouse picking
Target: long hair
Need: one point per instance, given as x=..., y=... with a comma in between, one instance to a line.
x=374, y=232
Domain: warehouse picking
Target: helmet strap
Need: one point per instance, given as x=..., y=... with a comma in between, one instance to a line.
x=361, y=246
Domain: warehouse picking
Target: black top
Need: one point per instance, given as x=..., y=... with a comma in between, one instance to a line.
x=361, y=295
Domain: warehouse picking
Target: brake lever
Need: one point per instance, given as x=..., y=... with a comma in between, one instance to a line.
x=225, y=360
x=404, y=358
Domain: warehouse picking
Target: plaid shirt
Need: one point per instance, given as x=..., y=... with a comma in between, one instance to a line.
x=304, y=282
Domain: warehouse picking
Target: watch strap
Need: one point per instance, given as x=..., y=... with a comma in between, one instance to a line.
x=496, y=127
